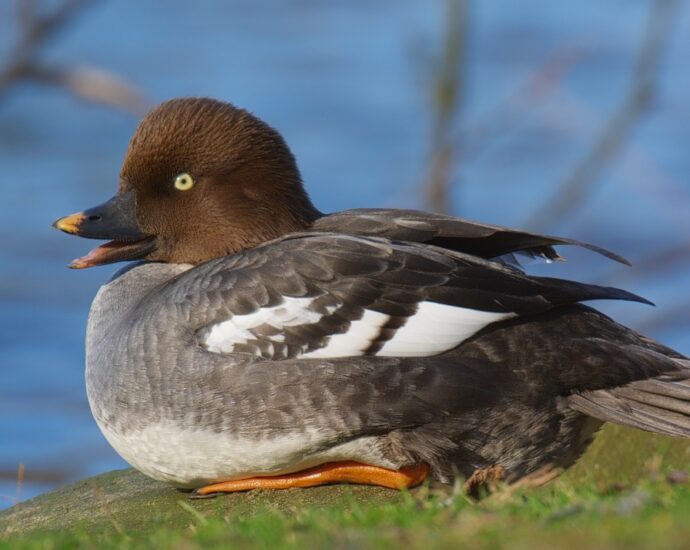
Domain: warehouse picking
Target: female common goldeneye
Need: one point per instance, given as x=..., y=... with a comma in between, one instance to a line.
x=263, y=344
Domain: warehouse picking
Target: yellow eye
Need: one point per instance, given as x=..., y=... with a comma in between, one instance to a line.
x=184, y=182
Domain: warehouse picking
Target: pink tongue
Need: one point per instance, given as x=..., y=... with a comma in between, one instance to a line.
x=109, y=252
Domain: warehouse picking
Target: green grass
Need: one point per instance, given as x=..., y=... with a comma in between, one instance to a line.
x=652, y=514
x=629, y=491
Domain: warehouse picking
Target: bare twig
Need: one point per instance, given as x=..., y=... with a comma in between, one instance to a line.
x=572, y=192
x=21, y=472
x=19, y=475
x=10, y=528
x=36, y=31
x=448, y=94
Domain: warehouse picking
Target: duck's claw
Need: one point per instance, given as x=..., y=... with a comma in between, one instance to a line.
x=325, y=474
x=484, y=480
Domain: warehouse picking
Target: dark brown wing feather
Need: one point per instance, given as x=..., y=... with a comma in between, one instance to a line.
x=479, y=239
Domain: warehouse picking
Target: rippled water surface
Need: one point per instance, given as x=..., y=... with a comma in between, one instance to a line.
x=345, y=83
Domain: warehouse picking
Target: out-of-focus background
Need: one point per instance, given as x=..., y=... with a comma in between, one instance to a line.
x=571, y=118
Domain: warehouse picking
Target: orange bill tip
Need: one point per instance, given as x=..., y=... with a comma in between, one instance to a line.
x=70, y=224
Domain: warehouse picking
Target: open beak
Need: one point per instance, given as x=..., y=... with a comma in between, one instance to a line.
x=113, y=220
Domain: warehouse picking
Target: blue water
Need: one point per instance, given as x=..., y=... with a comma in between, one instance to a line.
x=344, y=81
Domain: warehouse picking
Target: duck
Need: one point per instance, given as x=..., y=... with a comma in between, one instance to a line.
x=253, y=342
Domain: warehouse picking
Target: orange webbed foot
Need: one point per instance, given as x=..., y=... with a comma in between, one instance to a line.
x=324, y=474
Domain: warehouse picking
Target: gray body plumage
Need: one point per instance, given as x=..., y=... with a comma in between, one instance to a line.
x=523, y=392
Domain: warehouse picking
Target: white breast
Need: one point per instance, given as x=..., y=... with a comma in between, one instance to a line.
x=192, y=458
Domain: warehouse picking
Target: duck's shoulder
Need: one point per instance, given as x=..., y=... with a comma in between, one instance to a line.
x=143, y=275
x=311, y=262
x=292, y=265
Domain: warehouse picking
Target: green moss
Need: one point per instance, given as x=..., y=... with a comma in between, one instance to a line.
x=622, y=455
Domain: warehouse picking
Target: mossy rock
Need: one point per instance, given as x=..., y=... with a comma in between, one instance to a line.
x=129, y=501
x=622, y=456
x=126, y=500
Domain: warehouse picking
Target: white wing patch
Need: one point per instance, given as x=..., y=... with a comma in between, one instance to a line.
x=222, y=337
x=359, y=336
x=433, y=329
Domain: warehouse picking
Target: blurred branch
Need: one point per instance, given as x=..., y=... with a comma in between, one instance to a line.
x=35, y=33
x=448, y=90
x=572, y=192
x=498, y=120
x=538, y=85
x=92, y=84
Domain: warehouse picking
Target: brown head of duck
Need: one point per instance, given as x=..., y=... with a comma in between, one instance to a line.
x=201, y=179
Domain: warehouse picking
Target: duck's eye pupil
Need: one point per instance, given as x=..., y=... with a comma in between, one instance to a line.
x=184, y=182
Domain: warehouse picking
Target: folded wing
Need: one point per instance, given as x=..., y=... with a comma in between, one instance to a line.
x=319, y=295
